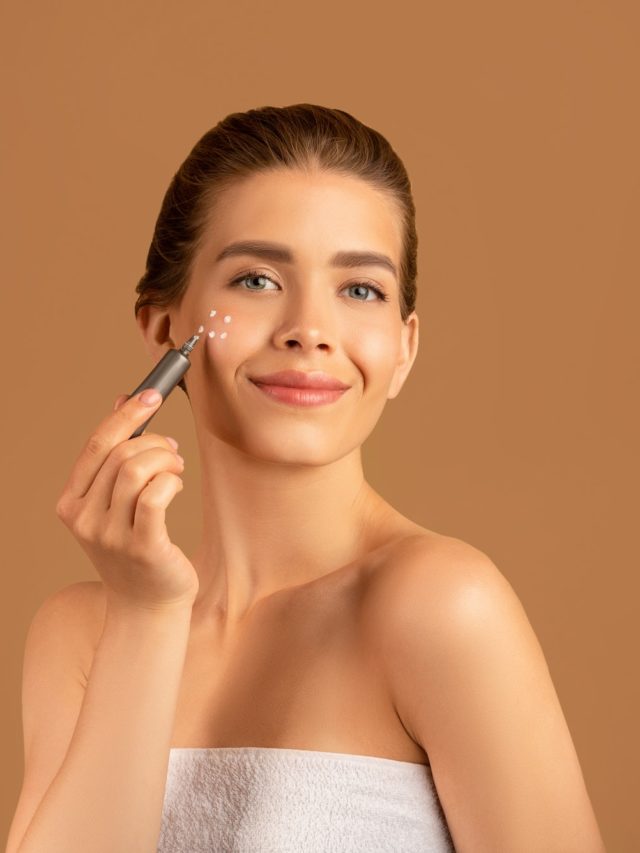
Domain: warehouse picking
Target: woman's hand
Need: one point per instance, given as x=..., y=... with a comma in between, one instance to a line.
x=114, y=503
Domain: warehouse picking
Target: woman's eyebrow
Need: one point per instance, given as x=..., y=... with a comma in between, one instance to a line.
x=277, y=252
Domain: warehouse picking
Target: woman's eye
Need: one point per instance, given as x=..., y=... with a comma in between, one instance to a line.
x=361, y=287
x=252, y=277
x=372, y=289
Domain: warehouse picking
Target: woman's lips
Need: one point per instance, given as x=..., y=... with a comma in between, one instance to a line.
x=300, y=396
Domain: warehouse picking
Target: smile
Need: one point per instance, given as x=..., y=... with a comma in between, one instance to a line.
x=300, y=396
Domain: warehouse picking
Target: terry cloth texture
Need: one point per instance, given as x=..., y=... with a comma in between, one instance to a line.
x=271, y=800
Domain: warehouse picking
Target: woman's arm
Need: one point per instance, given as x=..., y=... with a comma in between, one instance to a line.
x=471, y=685
x=107, y=793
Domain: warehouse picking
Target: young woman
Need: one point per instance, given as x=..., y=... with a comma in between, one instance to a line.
x=322, y=673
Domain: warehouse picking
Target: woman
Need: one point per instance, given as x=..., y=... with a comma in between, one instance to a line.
x=323, y=673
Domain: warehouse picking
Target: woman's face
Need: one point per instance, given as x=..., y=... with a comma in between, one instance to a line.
x=294, y=306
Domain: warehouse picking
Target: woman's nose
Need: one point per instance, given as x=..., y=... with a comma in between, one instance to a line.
x=307, y=341
x=308, y=323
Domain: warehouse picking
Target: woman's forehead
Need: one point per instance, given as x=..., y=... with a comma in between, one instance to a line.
x=290, y=184
x=292, y=208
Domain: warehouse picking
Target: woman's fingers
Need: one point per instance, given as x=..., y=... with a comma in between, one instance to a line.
x=119, y=401
x=150, y=512
x=114, y=503
x=115, y=428
x=132, y=479
x=101, y=494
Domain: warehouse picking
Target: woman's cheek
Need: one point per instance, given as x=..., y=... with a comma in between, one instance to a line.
x=377, y=355
x=219, y=332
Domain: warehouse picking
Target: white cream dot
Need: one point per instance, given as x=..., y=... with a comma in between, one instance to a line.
x=212, y=313
x=223, y=335
x=200, y=329
x=227, y=318
x=212, y=334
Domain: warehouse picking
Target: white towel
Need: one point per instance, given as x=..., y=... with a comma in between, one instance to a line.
x=248, y=799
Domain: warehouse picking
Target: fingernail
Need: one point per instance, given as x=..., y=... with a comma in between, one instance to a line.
x=172, y=442
x=150, y=397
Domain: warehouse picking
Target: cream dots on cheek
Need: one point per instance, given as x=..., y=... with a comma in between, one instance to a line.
x=212, y=333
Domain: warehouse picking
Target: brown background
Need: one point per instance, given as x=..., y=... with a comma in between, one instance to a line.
x=517, y=430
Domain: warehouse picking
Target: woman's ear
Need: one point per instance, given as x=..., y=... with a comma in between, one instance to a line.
x=408, y=352
x=155, y=324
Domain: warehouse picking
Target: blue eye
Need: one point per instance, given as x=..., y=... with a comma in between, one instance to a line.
x=253, y=274
x=380, y=295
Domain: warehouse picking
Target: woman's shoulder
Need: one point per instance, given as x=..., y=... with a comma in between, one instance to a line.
x=86, y=599
x=436, y=602
x=78, y=604
x=411, y=547
x=80, y=609
x=433, y=572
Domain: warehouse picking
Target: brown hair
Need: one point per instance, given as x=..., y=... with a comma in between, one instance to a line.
x=298, y=136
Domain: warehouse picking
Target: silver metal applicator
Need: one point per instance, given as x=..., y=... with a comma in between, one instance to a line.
x=166, y=374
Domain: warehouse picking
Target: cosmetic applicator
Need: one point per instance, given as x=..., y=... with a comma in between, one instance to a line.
x=172, y=367
x=166, y=374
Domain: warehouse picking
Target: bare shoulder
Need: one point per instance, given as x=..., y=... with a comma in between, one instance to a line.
x=80, y=602
x=78, y=610
x=432, y=605
x=471, y=685
x=442, y=571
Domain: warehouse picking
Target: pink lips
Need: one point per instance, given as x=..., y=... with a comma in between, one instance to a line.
x=301, y=388
x=301, y=379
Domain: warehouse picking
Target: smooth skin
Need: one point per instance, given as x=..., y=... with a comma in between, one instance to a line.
x=413, y=642
x=277, y=479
